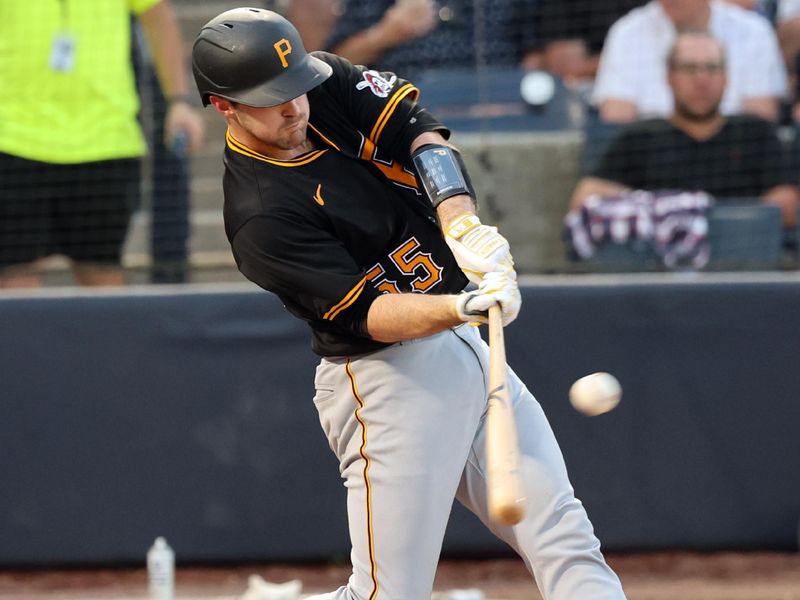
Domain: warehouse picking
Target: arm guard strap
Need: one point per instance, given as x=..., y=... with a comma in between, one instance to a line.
x=441, y=172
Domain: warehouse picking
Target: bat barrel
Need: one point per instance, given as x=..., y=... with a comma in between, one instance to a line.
x=504, y=485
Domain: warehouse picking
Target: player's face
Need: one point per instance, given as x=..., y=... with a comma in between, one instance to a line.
x=277, y=131
x=697, y=78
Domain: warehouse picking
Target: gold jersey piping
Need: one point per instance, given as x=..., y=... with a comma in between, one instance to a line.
x=240, y=148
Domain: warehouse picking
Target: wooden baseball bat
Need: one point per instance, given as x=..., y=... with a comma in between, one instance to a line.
x=504, y=485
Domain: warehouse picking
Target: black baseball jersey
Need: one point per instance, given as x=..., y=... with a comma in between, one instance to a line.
x=330, y=230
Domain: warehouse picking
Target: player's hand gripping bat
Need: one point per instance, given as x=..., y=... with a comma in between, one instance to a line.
x=504, y=485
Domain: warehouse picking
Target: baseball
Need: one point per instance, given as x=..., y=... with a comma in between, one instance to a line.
x=595, y=394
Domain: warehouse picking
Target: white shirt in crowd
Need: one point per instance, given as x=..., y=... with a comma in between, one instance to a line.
x=633, y=61
x=788, y=9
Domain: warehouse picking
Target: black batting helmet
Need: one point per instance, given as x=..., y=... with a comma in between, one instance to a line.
x=255, y=57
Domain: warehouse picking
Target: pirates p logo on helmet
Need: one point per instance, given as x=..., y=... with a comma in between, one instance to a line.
x=236, y=56
x=283, y=48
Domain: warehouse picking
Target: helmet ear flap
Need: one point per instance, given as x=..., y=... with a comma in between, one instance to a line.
x=255, y=57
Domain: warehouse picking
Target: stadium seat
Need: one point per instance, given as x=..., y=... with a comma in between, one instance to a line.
x=745, y=234
x=467, y=100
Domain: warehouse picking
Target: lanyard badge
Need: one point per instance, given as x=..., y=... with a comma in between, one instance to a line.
x=62, y=53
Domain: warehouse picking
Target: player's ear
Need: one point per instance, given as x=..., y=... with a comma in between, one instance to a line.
x=221, y=105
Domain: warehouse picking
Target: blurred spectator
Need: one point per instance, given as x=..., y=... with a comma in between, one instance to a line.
x=697, y=148
x=766, y=8
x=70, y=144
x=568, y=36
x=631, y=81
x=168, y=174
x=745, y=4
x=788, y=25
x=314, y=20
x=410, y=35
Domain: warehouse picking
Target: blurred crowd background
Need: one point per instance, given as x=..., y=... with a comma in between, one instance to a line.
x=603, y=135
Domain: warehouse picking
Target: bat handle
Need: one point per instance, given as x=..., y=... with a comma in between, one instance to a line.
x=497, y=342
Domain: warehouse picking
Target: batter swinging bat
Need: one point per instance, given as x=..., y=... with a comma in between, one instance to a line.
x=504, y=486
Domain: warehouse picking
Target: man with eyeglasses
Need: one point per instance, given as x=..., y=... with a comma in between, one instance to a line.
x=631, y=79
x=697, y=147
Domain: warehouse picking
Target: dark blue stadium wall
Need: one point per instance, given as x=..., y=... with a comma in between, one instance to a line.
x=189, y=415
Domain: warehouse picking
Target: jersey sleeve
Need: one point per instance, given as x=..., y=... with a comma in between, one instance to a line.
x=381, y=105
x=307, y=267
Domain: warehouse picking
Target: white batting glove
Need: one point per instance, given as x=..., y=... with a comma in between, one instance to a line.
x=478, y=248
x=497, y=287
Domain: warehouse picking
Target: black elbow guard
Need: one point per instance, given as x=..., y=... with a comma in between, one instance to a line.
x=441, y=172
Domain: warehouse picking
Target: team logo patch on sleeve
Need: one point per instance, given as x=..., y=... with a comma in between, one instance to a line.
x=377, y=83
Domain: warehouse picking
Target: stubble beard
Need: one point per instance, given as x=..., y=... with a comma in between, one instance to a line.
x=292, y=139
x=706, y=116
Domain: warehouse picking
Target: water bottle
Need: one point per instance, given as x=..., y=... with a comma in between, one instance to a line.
x=180, y=144
x=161, y=570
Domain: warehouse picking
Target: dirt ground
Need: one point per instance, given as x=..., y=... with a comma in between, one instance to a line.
x=657, y=576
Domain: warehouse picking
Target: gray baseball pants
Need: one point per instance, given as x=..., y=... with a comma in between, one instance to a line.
x=407, y=426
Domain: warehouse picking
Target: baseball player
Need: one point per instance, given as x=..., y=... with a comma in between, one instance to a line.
x=344, y=198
